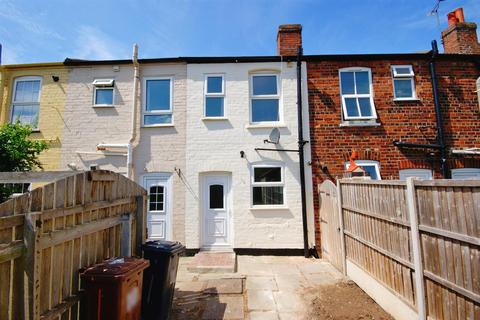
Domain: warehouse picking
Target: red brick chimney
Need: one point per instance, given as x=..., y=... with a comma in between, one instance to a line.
x=289, y=38
x=460, y=36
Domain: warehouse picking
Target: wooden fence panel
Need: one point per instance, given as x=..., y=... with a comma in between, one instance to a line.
x=378, y=239
x=53, y=232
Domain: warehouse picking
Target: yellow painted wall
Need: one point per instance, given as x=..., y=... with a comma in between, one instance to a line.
x=52, y=105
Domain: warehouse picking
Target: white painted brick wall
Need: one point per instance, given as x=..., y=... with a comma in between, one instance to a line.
x=216, y=146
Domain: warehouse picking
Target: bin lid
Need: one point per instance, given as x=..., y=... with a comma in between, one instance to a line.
x=171, y=247
x=116, y=267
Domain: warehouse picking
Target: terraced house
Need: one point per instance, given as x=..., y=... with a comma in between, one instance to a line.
x=34, y=94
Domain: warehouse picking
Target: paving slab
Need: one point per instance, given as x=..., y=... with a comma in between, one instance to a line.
x=224, y=307
x=255, y=269
x=285, y=269
x=290, y=282
x=260, y=300
x=213, y=262
x=261, y=282
x=288, y=301
x=264, y=315
x=323, y=278
x=224, y=286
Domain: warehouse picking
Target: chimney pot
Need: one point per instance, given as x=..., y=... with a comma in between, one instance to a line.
x=460, y=36
x=289, y=38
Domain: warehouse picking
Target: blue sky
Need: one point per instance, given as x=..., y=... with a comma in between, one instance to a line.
x=50, y=30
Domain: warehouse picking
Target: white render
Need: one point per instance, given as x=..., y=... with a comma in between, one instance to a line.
x=213, y=146
x=193, y=148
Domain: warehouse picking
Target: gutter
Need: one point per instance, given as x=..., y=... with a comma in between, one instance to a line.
x=301, y=144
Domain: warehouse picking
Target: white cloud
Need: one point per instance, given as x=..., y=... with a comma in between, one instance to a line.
x=12, y=54
x=10, y=12
x=92, y=43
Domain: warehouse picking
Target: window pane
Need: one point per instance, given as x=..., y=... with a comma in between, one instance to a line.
x=214, y=107
x=264, y=85
x=104, y=96
x=403, y=88
x=403, y=70
x=27, y=91
x=216, y=196
x=365, y=107
x=362, y=81
x=26, y=115
x=266, y=174
x=371, y=171
x=214, y=84
x=158, y=95
x=348, y=85
x=267, y=195
x=157, y=119
x=156, y=198
x=351, y=106
x=265, y=110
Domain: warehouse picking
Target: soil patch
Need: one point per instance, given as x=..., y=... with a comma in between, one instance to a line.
x=343, y=300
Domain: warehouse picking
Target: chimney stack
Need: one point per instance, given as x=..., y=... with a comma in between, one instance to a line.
x=289, y=38
x=460, y=36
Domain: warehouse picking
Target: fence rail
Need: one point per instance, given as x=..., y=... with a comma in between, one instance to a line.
x=420, y=239
x=49, y=234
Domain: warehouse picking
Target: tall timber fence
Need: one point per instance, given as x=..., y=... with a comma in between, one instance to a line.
x=50, y=233
x=414, y=246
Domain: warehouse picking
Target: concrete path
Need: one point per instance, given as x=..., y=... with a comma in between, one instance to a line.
x=264, y=287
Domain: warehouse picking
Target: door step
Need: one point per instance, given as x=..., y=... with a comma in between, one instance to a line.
x=213, y=262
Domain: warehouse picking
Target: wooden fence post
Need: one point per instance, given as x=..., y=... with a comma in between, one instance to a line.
x=32, y=271
x=342, y=234
x=416, y=247
x=126, y=241
x=140, y=225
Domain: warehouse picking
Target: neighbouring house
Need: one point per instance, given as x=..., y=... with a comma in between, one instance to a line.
x=382, y=107
x=128, y=116
x=34, y=94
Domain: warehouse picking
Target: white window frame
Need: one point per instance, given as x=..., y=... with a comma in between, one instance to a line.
x=478, y=91
x=213, y=95
x=465, y=170
x=405, y=173
x=280, y=183
x=374, y=163
x=13, y=103
x=356, y=96
x=103, y=84
x=410, y=76
x=164, y=197
x=266, y=97
x=157, y=112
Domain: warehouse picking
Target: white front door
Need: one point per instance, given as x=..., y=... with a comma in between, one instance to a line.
x=216, y=212
x=159, y=206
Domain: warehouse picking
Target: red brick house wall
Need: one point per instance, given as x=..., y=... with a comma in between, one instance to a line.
x=408, y=121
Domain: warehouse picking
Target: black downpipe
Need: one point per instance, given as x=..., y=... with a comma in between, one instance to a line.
x=440, y=137
x=301, y=144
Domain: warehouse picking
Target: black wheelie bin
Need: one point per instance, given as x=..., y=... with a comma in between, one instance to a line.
x=159, y=279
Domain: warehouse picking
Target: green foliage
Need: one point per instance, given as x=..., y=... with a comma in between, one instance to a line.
x=17, y=152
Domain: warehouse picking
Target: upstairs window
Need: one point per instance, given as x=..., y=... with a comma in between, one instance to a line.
x=403, y=83
x=157, y=109
x=26, y=101
x=214, y=96
x=356, y=92
x=371, y=167
x=103, y=92
x=478, y=90
x=264, y=98
x=267, y=185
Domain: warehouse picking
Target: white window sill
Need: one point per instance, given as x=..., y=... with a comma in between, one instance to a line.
x=265, y=125
x=360, y=123
x=405, y=99
x=103, y=106
x=166, y=125
x=214, y=118
x=268, y=208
